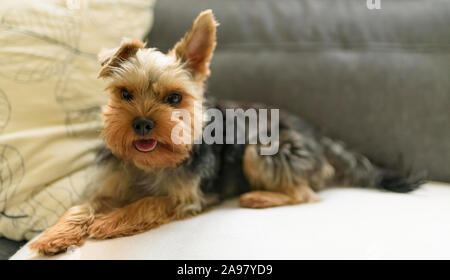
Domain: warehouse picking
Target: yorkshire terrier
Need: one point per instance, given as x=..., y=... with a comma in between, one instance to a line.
x=148, y=179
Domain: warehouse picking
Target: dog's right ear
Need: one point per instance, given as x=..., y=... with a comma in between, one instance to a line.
x=197, y=46
x=110, y=59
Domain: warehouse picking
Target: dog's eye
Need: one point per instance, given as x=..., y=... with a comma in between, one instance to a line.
x=173, y=98
x=126, y=95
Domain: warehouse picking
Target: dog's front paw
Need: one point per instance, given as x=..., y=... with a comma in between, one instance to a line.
x=53, y=244
x=255, y=200
x=105, y=227
x=97, y=229
x=111, y=226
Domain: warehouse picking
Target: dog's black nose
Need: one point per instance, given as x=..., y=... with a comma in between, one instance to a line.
x=142, y=126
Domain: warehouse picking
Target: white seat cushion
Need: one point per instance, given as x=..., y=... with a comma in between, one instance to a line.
x=350, y=223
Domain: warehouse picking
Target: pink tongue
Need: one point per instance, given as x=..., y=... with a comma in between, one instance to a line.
x=145, y=145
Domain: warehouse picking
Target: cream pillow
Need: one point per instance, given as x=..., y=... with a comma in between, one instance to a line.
x=50, y=102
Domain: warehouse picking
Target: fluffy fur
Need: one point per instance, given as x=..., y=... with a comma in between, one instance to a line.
x=138, y=191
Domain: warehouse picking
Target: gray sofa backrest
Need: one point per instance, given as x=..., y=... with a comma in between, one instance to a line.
x=377, y=79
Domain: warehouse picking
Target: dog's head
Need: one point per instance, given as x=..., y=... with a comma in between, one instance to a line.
x=147, y=86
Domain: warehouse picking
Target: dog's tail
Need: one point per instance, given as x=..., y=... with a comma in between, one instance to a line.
x=357, y=170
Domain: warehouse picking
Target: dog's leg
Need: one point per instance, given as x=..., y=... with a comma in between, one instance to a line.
x=265, y=199
x=71, y=229
x=287, y=177
x=137, y=217
x=181, y=198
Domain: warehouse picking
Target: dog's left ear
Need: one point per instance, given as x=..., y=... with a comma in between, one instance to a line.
x=197, y=46
x=109, y=59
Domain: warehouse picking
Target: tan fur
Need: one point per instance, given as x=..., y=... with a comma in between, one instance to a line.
x=140, y=216
x=115, y=208
x=71, y=229
x=138, y=191
x=284, y=196
x=119, y=134
x=149, y=76
x=113, y=58
x=197, y=46
x=113, y=187
x=275, y=186
x=187, y=196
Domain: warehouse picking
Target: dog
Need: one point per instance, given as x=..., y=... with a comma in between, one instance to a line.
x=147, y=179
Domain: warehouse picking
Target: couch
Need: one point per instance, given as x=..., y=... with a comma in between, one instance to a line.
x=376, y=79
